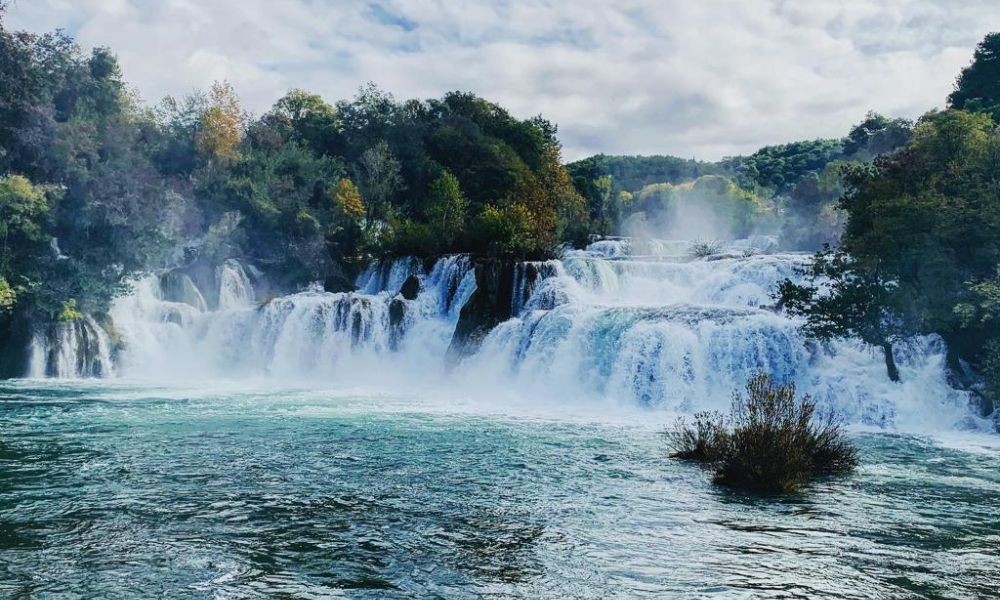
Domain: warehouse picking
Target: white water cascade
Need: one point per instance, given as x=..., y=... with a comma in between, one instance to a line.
x=71, y=349
x=308, y=334
x=641, y=324
x=680, y=333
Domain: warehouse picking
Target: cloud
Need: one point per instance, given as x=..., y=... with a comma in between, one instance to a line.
x=697, y=79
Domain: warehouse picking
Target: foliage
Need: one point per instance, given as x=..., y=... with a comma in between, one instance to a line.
x=306, y=118
x=446, y=210
x=978, y=86
x=710, y=206
x=780, y=167
x=812, y=218
x=221, y=124
x=505, y=232
x=348, y=200
x=843, y=297
x=378, y=173
x=929, y=215
x=704, y=441
x=770, y=442
x=8, y=296
x=876, y=135
x=69, y=312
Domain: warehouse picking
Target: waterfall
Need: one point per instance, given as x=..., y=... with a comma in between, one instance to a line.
x=235, y=289
x=635, y=322
x=78, y=348
x=673, y=332
x=311, y=333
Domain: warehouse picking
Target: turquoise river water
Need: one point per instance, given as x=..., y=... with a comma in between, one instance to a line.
x=123, y=490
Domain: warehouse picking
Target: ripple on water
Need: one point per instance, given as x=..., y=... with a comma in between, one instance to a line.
x=124, y=491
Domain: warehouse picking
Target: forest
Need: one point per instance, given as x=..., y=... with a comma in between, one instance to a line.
x=98, y=187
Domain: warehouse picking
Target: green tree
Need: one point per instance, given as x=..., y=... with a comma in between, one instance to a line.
x=978, y=85
x=446, y=209
x=378, y=172
x=310, y=120
x=24, y=212
x=843, y=298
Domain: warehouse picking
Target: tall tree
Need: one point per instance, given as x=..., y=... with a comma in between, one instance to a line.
x=978, y=86
x=378, y=172
x=847, y=299
x=221, y=124
x=446, y=209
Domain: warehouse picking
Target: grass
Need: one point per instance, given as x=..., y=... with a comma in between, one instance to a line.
x=770, y=442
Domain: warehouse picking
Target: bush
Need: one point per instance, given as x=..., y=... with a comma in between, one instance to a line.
x=704, y=441
x=768, y=443
x=702, y=249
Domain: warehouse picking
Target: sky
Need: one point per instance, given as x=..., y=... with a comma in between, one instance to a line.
x=702, y=79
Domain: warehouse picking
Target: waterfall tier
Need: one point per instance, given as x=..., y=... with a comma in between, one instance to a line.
x=639, y=323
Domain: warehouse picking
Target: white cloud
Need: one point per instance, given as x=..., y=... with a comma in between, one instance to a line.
x=702, y=79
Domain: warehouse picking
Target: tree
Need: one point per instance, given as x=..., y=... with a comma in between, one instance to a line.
x=348, y=200
x=446, y=209
x=876, y=135
x=221, y=124
x=24, y=211
x=978, y=85
x=310, y=120
x=378, y=172
x=843, y=298
x=504, y=232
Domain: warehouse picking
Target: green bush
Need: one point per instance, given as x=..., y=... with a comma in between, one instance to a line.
x=768, y=443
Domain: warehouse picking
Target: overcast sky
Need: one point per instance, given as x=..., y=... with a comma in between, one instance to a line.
x=701, y=79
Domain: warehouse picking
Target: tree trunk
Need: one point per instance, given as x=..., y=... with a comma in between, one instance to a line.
x=890, y=362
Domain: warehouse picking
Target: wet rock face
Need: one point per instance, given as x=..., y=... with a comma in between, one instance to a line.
x=397, y=322
x=411, y=288
x=15, y=338
x=78, y=348
x=178, y=287
x=490, y=305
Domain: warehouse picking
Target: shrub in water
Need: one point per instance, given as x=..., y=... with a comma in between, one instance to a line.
x=704, y=440
x=769, y=443
x=706, y=248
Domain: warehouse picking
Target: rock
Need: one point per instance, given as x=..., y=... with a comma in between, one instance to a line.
x=178, y=287
x=411, y=288
x=488, y=306
x=340, y=278
x=397, y=322
x=337, y=283
x=15, y=339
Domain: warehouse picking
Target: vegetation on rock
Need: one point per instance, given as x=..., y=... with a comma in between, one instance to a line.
x=770, y=442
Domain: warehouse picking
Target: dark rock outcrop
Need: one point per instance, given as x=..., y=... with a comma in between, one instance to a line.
x=15, y=339
x=411, y=288
x=177, y=286
x=502, y=288
x=397, y=322
x=338, y=282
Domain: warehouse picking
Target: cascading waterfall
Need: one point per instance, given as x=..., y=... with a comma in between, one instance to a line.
x=310, y=333
x=70, y=349
x=681, y=334
x=636, y=321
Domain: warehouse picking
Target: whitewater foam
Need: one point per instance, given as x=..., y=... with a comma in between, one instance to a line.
x=634, y=324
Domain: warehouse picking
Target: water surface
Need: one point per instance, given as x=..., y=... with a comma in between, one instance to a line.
x=116, y=489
